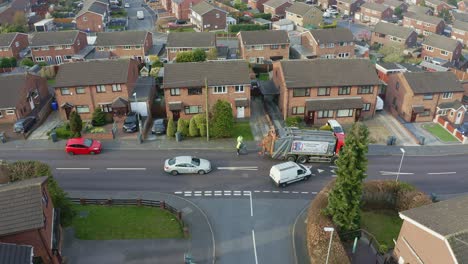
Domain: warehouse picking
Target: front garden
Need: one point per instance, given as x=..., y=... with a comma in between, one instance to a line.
x=75, y=127
x=439, y=132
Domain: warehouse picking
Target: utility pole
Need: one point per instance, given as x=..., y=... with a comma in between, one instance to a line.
x=207, y=114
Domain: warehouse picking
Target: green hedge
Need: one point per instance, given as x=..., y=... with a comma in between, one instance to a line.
x=247, y=27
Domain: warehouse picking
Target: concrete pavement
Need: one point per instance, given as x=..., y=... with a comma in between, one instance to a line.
x=201, y=240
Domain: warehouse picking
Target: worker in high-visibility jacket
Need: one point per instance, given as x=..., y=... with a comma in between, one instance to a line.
x=239, y=144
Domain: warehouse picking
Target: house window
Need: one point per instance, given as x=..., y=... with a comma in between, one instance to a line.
x=194, y=91
x=106, y=108
x=65, y=91
x=429, y=48
x=274, y=46
x=301, y=92
x=39, y=59
x=367, y=89
x=85, y=18
x=427, y=96
x=175, y=91
x=330, y=45
x=252, y=60
x=426, y=112
x=80, y=90
x=283, y=46
x=36, y=48
x=101, y=48
x=343, y=55
x=10, y=112
x=193, y=109
x=81, y=109
x=447, y=95
x=366, y=107
x=239, y=88
x=397, y=85
x=343, y=44
x=67, y=46
x=127, y=47
x=258, y=47
x=116, y=87
x=1, y=114
x=17, y=44
x=443, y=52
x=111, y=47
x=345, y=90
x=137, y=47
x=344, y=113
x=217, y=15
x=325, y=114
x=322, y=46
x=323, y=91
x=219, y=89
x=442, y=112
x=298, y=110
x=100, y=88
x=59, y=47
x=45, y=48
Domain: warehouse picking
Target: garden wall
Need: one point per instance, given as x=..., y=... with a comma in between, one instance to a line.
x=451, y=129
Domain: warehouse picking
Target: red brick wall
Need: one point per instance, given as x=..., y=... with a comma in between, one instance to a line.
x=13, y=51
x=91, y=22
x=460, y=35
x=266, y=53
x=279, y=11
x=308, y=41
x=80, y=43
x=182, y=10
x=257, y=4
x=214, y=22
x=437, y=29
x=436, y=53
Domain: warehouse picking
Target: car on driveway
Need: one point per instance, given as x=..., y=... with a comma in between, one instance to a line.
x=80, y=146
x=127, y=5
x=463, y=128
x=131, y=122
x=24, y=125
x=159, y=126
x=187, y=164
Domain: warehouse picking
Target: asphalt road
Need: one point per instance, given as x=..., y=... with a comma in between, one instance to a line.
x=135, y=24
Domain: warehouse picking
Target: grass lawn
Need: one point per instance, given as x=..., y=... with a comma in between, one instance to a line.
x=243, y=129
x=125, y=222
x=51, y=82
x=440, y=132
x=263, y=77
x=183, y=29
x=383, y=224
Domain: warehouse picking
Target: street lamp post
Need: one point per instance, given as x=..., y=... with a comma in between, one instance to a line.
x=401, y=162
x=331, y=230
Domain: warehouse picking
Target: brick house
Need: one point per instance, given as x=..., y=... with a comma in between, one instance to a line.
x=463, y=5
x=393, y=4
x=424, y=24
x=420, y=9
x=29, y=218
x=181, y=8
x=438, y=5
x=256, y=4
x=12, y=43
x=22, y=95
x=388, y=33
x=187, y=41
x=185, y=92
x=258, y=46
x=207, y=17
x=329, y=43
x=93, y=17
x=322, y=89
x=373, y=13
x=415, y=96
x=167, y=5
x=277, y=8
x=324, y=4
x=349, y=7
x=460, y=31
x=304, y=15
x=56, y=47
x=85, y=86
x=441, y=47
x=125, y=44
x=434, y=233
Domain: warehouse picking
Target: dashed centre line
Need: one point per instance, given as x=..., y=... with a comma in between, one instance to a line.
x=236, y=193
x=72, y=168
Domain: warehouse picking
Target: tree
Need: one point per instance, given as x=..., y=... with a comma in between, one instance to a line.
x=7, y=62
x=76, y=124
x=445, y=15
x=239, y=5
x=212, y=54
x=170, y=131
x=193, y=129
x=198, y=55
x=27, y=62
x=184, y=56
x=344, y=200
x=398, y=12
x=200, y=122
x=183, y=127
x=155, y=61
x=392, y=53
x=99, y=117
x=222, y=121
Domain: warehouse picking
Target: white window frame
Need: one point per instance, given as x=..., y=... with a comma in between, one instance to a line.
x=239, y=88
x=325, y=113
x=40, y=59
x=175, y=91
x=258, y=47
x=81, y=88
x=65, y=89
x=10, y=112
x=429, y=48
x=342, y=113
x=116, y=87
x=298, y=110
x=100, y=88
x=447, y=95
x=443, y=52
x=219, y=89
x=78, y=107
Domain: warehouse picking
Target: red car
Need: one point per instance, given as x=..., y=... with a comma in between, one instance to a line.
x=83, y=146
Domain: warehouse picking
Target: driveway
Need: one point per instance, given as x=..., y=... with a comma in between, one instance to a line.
x=135, y=251
x=52, y=121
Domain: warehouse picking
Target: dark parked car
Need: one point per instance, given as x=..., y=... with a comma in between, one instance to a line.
x=131, y=122
x=180, y=22
x=24, y=125
x=159, y=127
x=463, y=128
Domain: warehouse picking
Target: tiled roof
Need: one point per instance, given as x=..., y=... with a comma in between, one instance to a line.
x=393, y=3
x=460, y=16
x=424, y=18
x=460, y=25
x=374, y=6
x=10, y=85
x=432, y=82
x=334, y=103
x=299, y=8
x=441, y=42
x=419, y=9
x=453, y=105
x=6, y=39
x=204, y=7
x=328, y=72
x=54, y=38
x=264, y=37
x=332, y=35
x=92, y=73
x=98, y=7
x=191, y=39
x=21, y=206
x=393, y=30
x=193, y=74
x=121, y=38
x=276, y=3
x=15, y=254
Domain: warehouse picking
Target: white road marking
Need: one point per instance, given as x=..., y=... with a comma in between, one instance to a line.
x=197, y=191
x=228, y=193
x=140, y=169
x=72, y=168
x=238, y=168
x=334, y=175
x=335, y=167
x=208, y=194
x=251, y=204
x=395, y=173
x=435, y=173
x=257, y=191
x=275, y=191
x=305, y=192
x=237, y=193
x=295, y=192
x=198, y=194
x=187, y=194
x=332, y=171
x=266, y=191
x=313, y=192
x=285, y=191
x=320, y=171
x=254, y=246
x=218, y=194
x=178, y=192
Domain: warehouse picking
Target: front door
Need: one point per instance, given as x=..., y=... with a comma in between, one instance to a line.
x=67, y=112
x=240, y=112
x=176, y=115
x=459, y=118
x=58, y=59
x=357, y=115
x=310, y=117
x=413, y=116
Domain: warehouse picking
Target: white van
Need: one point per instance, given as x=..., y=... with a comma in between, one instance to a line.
x=288, y=172
x=140, y=15
x=380, y=104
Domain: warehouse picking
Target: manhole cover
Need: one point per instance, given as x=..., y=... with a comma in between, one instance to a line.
x=84, y=214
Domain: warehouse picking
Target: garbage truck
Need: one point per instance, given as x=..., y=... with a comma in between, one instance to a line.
x=301, y=146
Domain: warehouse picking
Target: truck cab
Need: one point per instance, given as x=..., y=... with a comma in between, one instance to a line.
x=288, y=172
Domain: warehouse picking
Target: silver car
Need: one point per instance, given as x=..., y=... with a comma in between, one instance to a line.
x=187, y=164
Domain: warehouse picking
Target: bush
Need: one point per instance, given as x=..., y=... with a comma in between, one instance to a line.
x=263, y=15
x=170, y=131
x=222, y=121
x=63, y=132
x=7, y=62
x=326, y=127
x=99, y=117
x=293, y=121
x=383, y=249
x=193, y=129
x=183, y=127
x=200, y=122
x=27, y=62
x=246, y=27
x=76, y=124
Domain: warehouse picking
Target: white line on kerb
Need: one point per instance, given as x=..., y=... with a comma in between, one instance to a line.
x=125, y=168
x=254, y=246
x=395, y=173
x=434, y=173
x=72, y=168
